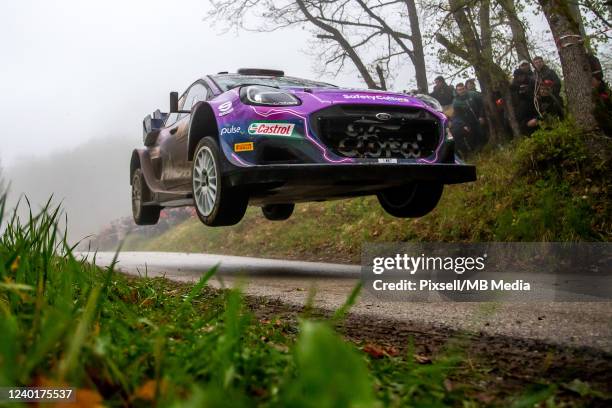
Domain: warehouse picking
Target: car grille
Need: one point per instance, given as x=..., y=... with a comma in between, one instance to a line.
x=364, y=131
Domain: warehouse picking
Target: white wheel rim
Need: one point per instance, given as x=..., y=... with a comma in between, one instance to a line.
x=205, y=181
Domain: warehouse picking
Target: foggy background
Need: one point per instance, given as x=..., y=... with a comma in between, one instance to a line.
x=78, y=77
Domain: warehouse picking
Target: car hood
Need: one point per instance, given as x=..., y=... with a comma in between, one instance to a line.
x=315, y=99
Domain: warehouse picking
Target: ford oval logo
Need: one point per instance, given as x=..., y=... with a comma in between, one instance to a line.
x=383, y=116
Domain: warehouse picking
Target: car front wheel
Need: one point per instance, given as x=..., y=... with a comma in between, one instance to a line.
x=411, y=201
x=216, y=203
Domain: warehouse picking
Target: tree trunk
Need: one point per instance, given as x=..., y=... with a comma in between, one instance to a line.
x=510, y=112
x=574, y=8
x=574, y=62
x=494, y=121
x=417, y=46
x=519, y=37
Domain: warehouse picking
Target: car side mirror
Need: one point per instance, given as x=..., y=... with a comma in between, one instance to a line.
x=173, y=102
x=150, y=130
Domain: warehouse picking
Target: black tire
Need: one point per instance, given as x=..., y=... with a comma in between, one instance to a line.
x=229, y=203
x=411, y=201
x=277, y=212
x=143, y=214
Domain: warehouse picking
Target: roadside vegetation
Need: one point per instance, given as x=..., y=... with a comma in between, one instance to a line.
x=124, y=341
x=544, y=188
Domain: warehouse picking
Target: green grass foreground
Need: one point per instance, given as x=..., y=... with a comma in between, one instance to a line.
x=149, y=342
x=544, y=188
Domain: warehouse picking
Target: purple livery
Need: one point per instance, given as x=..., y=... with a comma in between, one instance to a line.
x=259, y=137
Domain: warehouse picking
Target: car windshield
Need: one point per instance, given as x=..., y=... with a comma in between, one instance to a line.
x=229, y=81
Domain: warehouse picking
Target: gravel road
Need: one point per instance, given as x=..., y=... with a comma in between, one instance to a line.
x=565, y=324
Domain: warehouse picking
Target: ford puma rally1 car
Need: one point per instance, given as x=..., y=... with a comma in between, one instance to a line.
x=262, y=138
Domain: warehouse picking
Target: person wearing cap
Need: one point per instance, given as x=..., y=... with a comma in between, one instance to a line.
x=443, y=93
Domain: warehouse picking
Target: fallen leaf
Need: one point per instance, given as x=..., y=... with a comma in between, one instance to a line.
x=86, y=398
x=147, y=302
x=15, y=264
x=373, y=350
x=146, y=391
x=392, y=351
x=83, y=397
x=422, y=359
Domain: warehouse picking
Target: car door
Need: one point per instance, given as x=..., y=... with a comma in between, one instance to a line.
x=167, y=147
x=182, y=167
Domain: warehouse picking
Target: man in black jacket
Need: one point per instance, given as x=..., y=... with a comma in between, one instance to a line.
x=522, y=88
x=442, y=92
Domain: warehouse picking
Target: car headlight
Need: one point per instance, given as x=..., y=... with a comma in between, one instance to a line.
x=430, y=101
x=267, y=96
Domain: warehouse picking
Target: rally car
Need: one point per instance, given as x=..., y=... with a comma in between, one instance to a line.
x=259, y=137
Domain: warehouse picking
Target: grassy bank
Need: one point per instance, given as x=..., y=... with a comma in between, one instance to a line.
x=149, y=342
x=545, y=188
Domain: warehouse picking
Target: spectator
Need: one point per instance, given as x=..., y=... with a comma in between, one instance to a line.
x=522, y=89
x=525, y=67
x=545, y=76
x=547, y=103
x=603, y=103
x=467, y=121
x=443, y=93
x=537, y=96
x=470, y=84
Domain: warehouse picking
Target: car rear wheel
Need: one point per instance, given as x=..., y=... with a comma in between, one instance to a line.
x=277, y=212
x=143, y=214
x=216, y=203
x=411, y=201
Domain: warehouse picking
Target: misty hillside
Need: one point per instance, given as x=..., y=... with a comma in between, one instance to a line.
x=91, y=181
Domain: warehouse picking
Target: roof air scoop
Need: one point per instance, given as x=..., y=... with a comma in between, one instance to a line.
x=260, y=71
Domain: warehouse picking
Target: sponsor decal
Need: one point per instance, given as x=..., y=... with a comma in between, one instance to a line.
x=271, y=129
x=225, y=108
x=230, y=130
x=391, y=161
x=384, y=98
x=244, y=147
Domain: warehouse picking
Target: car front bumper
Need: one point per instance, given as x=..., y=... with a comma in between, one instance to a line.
x=357, y=174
